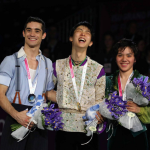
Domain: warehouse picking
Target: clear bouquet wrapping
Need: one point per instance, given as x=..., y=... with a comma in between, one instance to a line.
x=22, y=132
x=48, y=118
x=43, y=115
x=137, y=91
x=114, y=108
x=104, y=111
x=134, y=95
x=91, y=122
x=38, y=118
x=131, y=122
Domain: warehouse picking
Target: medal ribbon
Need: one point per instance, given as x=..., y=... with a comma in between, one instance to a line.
x=78, y=98
x=119, y=86
x=119, y=83
x=31, y=87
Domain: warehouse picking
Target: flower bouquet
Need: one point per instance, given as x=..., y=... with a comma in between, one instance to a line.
x=114, y=108
x=49, y=118
x=43, y=115
x=131, y=122
x=20, y=132
x=139, y=91
x=91, y=122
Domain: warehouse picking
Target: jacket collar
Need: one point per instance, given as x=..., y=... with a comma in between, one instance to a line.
x=21, y=53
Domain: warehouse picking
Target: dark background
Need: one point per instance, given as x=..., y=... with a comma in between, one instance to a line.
x=104, y=15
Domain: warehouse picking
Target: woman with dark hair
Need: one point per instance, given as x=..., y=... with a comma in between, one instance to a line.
x=123, y=139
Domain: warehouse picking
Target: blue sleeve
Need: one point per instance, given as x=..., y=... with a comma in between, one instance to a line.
x=7, y=70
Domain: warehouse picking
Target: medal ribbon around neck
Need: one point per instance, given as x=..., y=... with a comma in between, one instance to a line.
x=130, y=114
x=119, y=86
x=119, y=83
x=78, y=98
x=31, y=87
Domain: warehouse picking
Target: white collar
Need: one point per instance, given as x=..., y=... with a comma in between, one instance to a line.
x=21, y=53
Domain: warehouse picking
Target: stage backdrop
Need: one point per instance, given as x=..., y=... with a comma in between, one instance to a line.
x=115, y=15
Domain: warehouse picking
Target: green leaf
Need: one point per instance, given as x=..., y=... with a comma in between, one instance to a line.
x=49, y=103
x=15, y=126
x=43, y=122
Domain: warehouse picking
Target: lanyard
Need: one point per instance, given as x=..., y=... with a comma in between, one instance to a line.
x=119, y=83
x=78, y=98
x=31, y=87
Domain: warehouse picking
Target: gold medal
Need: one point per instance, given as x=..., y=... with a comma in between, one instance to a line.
x=79, y=106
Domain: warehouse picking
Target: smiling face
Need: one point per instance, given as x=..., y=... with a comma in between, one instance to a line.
x=125, y=59
x=81, y=37
x=33, y=34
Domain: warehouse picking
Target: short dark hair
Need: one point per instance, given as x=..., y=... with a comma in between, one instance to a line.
x=123, y=43
x=35, y=19
x=83, y=23
x=108, y=33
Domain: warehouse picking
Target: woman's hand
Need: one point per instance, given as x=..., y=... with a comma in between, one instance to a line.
x=131, y=106
x=99, y=117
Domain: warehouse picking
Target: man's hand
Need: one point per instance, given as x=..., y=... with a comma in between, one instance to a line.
x=99, y=117
x=22, y=118
x=131, y=106
x=51, y=95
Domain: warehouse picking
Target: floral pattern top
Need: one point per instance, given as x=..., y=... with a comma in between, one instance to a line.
x=93, y=91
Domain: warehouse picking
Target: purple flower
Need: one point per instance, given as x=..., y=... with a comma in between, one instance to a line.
x=114, y=115
x=122, y=103
x=45, y=109
x=57, y=126
x=146, y=79
x=116, y=105
x=137, y=81
x=52, y=105
x=47, y=121
x=143, y=86
x=52, y=117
